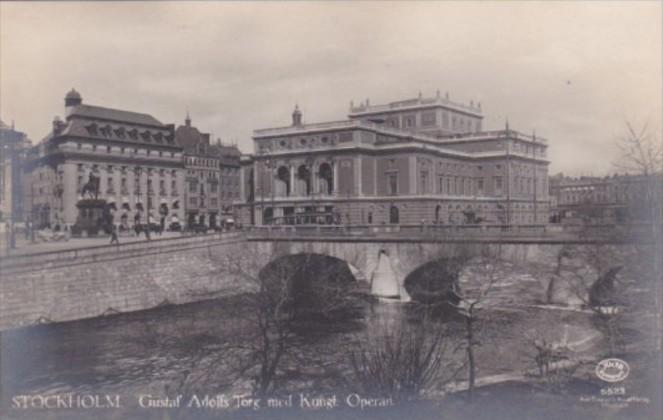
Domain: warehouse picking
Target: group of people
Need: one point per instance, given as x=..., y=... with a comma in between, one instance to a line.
x=138, y=228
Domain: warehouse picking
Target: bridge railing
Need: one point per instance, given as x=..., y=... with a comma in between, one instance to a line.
x=402, y=230
x=450, y=231
x=101, y=251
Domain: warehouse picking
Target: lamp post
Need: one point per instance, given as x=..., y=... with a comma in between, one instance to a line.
x=269, y=165
x=265, y=166
x=32, y=211
x=534, y=175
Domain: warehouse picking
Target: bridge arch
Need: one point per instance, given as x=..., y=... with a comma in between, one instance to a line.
x=313, y=261
x=435, y=281
x=316, y=285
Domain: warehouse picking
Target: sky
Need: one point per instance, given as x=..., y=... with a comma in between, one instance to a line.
x=573, y=71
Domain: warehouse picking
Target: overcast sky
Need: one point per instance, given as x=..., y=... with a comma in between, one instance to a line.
x=572, y=71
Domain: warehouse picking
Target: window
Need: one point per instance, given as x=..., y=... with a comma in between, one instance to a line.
x=94, y=147
x=79, y=146
x=193, y=187
x=423, y=188
x=428, y=118
x=108, y=149
x=393, y=184
x=440, y=185
x=480, y=186
x=498, y=185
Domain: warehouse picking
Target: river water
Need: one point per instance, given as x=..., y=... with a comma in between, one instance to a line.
x=183, y=349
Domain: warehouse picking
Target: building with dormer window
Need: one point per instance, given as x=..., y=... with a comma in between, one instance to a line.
x=134, y=155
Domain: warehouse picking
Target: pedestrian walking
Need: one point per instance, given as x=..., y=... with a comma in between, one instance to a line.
x=114, y=238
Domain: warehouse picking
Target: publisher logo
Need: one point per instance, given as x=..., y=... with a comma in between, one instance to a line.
x=612, y=370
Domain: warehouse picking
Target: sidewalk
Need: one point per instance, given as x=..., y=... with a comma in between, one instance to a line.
x=25, y=247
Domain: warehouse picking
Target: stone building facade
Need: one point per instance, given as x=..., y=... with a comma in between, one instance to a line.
x=14, y=145
x=424, y=160
x=212, y=177
x=134, y=155
x=608, y=199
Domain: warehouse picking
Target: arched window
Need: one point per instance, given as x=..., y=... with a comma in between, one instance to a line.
x=304, y=180
x=326, y=176
x=283, y=181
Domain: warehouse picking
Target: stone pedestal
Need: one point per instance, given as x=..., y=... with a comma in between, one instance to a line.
x=91, y=218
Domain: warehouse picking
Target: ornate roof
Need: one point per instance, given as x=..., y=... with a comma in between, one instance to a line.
x=114, y=115
x=73, y=94
x=189, y=137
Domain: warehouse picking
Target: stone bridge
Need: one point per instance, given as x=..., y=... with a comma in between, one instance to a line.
x=105, y=280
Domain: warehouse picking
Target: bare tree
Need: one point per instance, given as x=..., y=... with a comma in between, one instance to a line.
x=471, y=303
x=550, y=354
x=403, y=359
x=285, y=291
x=591, y=274
x=642, y=154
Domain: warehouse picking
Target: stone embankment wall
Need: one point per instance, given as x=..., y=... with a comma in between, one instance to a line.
x=82, y=283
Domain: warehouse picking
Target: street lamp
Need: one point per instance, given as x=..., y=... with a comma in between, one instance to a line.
x=9, y=148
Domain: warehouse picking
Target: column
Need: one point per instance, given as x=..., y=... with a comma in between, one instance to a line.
x=293, y=186
x=412, y=169
x=242, y=188
x=143, y=194
x=335, y=173
x=358, y=178
x=315, y=179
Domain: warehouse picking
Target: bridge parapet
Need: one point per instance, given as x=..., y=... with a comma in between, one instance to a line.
x=83, y=254
x=425, y=233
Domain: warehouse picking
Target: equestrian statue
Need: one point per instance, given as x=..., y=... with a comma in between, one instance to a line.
x=91, y=187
